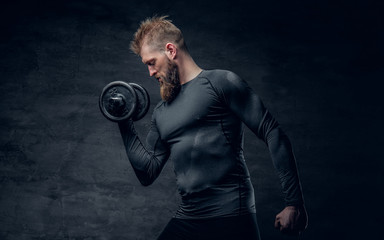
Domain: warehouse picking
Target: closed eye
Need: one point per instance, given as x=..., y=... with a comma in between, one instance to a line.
x=151, y=62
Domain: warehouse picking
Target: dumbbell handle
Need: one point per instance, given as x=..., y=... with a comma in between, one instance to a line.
x=116, y=103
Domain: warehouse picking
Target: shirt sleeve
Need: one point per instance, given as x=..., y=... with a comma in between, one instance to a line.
x=148, y=161
x=244, y=102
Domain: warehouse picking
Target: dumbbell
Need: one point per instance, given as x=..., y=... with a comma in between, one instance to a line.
x=120, y=101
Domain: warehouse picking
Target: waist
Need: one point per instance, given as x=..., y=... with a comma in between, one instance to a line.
x=224, y=200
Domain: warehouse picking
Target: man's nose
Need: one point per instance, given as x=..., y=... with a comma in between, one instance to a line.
x=151, y=70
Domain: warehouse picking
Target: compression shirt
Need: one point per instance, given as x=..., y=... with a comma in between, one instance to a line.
x=201, y=130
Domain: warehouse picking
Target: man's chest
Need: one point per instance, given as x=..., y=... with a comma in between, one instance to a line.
x=196, y=106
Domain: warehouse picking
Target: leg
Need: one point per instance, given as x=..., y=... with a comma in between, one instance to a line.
x=179, y=229
x=231, y=228
x=225, y=228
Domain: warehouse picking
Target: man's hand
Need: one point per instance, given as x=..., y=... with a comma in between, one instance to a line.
x=292, y=220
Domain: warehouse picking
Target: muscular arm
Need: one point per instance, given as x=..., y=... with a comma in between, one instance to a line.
x=146, y=162
x=241, y=99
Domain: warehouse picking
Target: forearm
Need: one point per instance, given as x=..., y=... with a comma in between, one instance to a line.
x=285, y=164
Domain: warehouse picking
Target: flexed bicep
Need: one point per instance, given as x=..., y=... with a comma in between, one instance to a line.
x=146, y=161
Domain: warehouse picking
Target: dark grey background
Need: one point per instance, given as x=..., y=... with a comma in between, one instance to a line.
x=63, y=170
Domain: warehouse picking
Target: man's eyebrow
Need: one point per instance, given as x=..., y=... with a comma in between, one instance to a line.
x=148, y=61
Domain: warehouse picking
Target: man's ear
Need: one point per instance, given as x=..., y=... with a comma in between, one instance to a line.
x=171, y=51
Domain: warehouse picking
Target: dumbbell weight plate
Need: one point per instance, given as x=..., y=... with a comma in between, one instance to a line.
x=142, y=102
x=118, y=101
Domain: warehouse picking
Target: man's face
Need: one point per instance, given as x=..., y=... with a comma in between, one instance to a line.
x=164, y=70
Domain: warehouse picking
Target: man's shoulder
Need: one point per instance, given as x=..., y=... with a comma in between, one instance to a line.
x=217, y=73
x=221, y=77
x=159, y=105
x=157, y=109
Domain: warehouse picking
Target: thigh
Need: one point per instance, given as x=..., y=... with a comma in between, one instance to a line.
x=232, y=228
x=227, y=228
x=179, y=229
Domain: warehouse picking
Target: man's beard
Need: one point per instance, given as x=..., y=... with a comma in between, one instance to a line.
x=170, y=86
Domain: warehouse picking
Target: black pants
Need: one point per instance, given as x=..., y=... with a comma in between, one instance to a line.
x=227, y=228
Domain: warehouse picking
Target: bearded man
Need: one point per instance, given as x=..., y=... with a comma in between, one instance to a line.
x=199, y=125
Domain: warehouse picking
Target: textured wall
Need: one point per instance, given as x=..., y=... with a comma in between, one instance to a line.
x=63, y=170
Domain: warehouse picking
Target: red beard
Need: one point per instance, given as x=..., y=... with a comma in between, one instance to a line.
x=170, y=86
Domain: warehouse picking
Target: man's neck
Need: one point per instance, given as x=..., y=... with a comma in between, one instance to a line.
x=188, y=69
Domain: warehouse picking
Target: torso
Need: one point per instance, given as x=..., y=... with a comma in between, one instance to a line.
x=205, y=139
